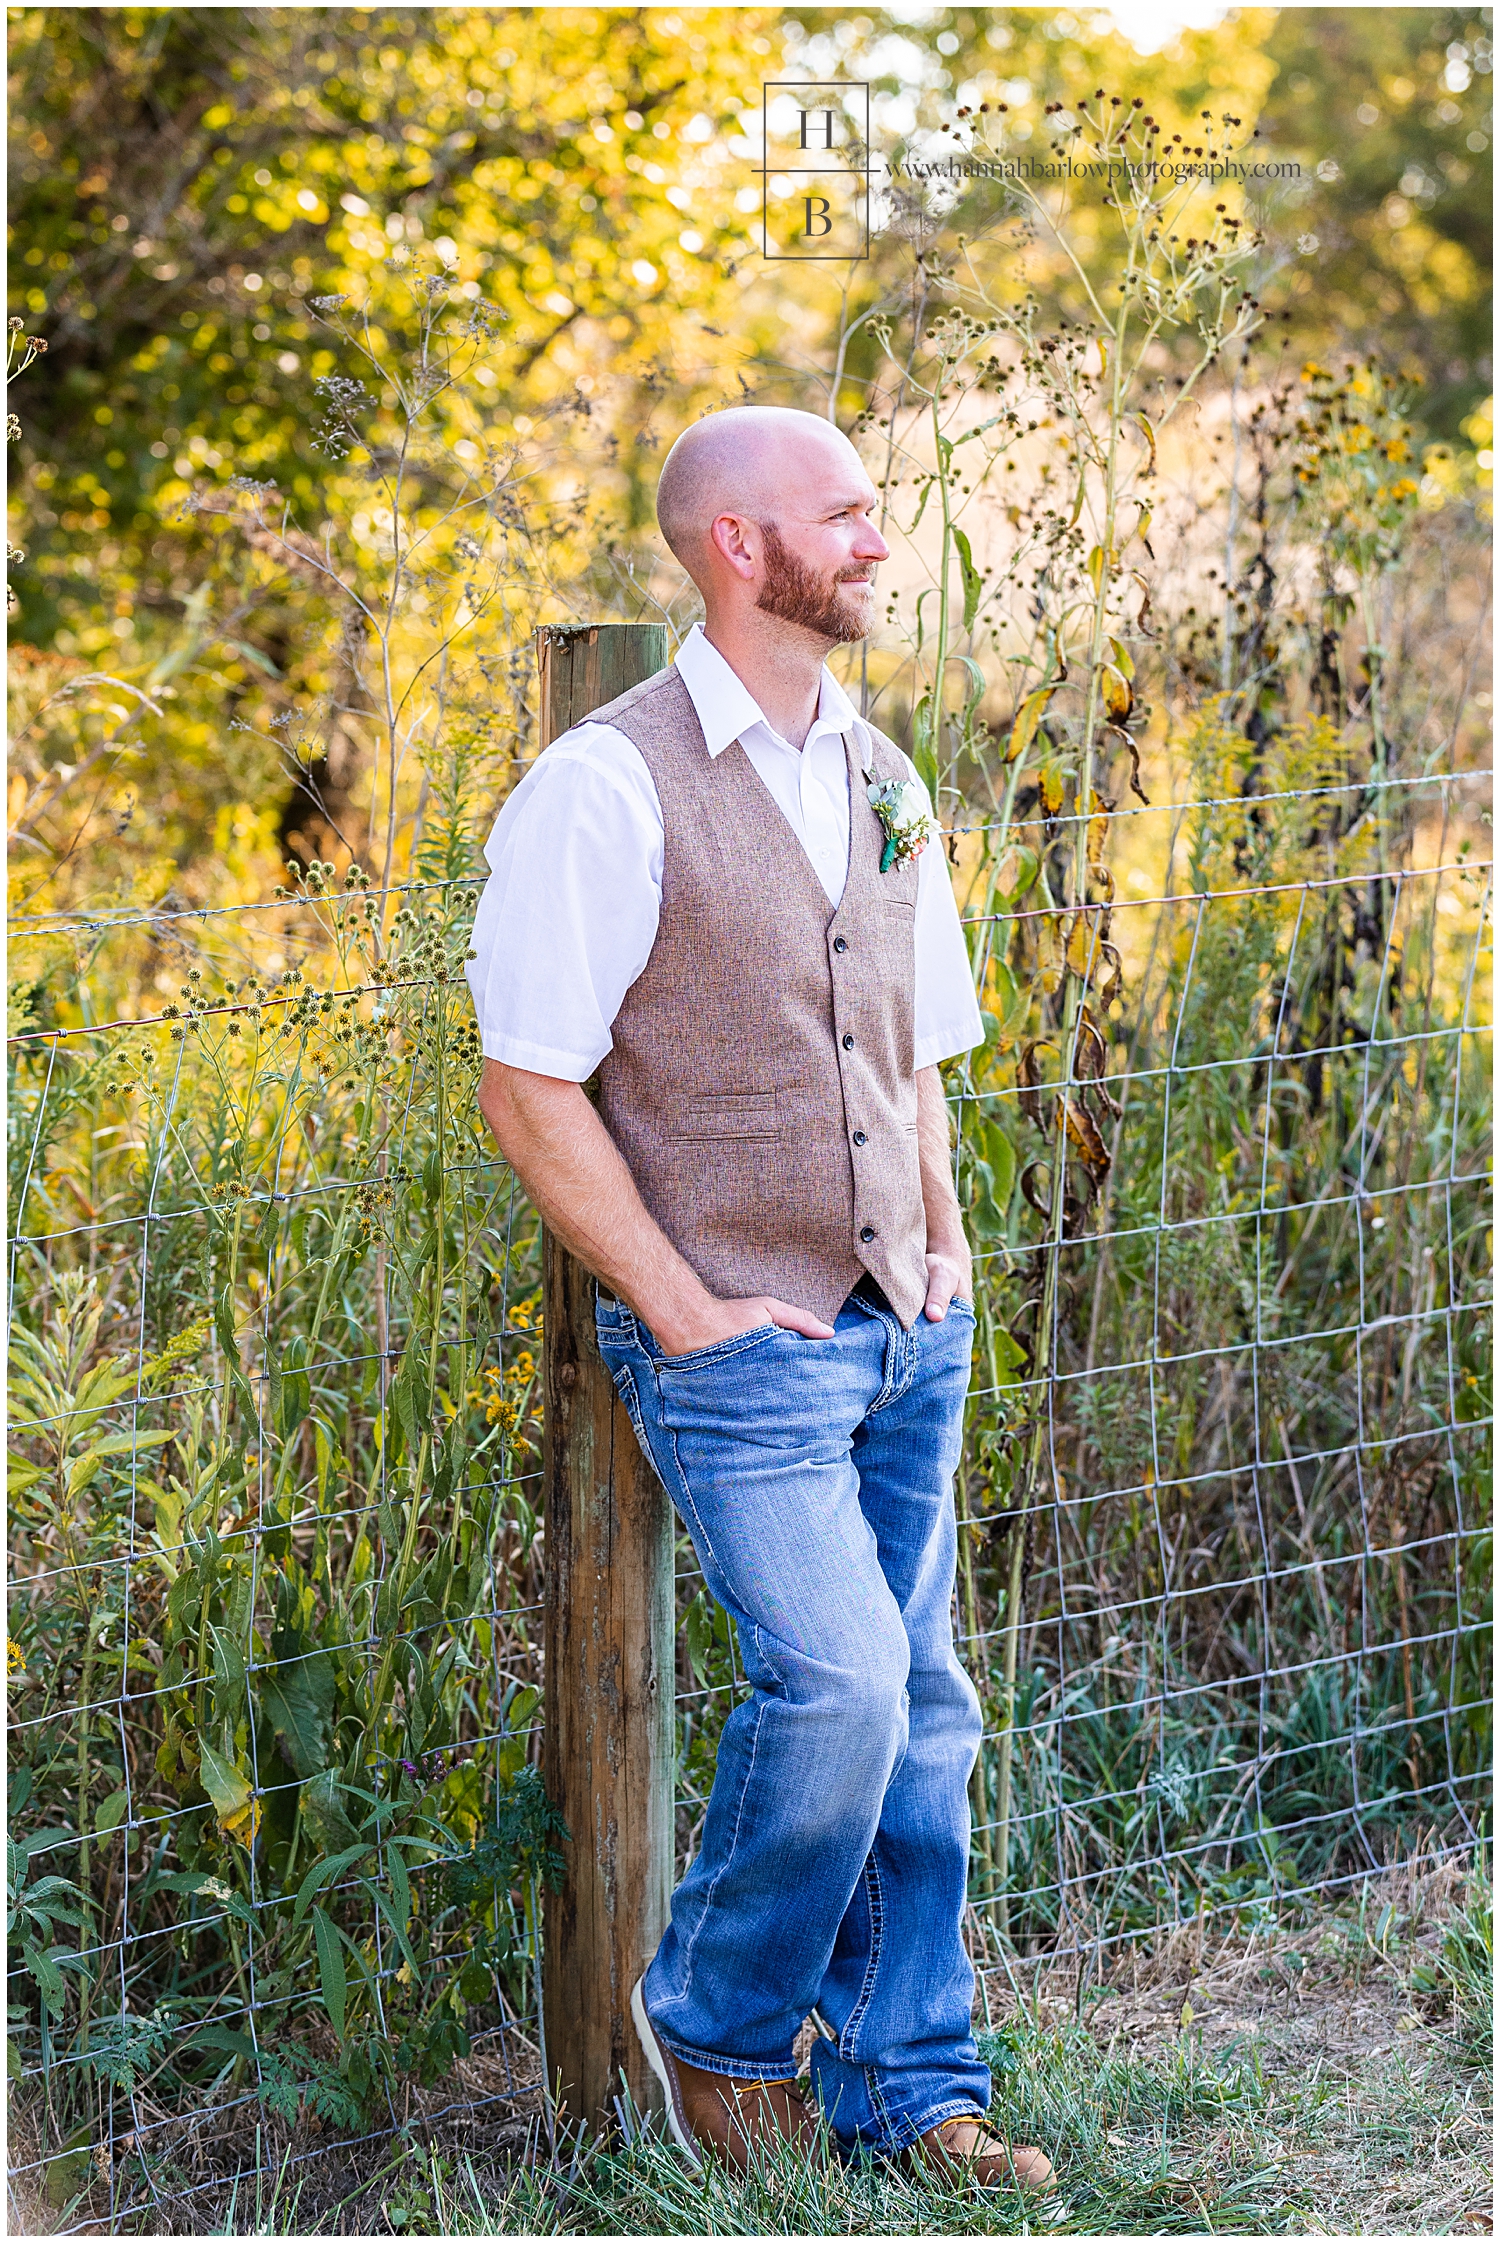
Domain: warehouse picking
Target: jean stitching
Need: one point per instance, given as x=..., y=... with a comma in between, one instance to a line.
x=698, y=1357
x=888, y=1365
x=626, y=1387
x=682, y=1478
x=705, y=2060
x=867, y=1990
x=905, y=2132
x=687, y=1494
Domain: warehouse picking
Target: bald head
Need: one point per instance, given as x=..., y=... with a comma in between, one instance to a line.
x=750, y=461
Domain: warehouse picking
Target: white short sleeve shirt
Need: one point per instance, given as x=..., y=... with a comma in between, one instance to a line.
x=568, y=916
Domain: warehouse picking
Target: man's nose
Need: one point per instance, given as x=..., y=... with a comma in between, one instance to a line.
x=870, y=545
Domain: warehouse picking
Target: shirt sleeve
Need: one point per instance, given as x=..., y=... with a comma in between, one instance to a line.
x=947, y=1015
x=568, y=916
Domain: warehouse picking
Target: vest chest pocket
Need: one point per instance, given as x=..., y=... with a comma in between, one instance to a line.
x=737, y=1114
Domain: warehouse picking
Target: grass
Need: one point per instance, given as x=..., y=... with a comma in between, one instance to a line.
x=1321, y=2071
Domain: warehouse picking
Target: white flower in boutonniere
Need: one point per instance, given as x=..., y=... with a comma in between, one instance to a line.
x=901, y=807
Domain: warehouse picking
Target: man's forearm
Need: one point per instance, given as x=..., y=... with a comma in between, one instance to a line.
x=577, y=1181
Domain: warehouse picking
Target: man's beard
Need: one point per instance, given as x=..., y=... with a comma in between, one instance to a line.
x=795, y=594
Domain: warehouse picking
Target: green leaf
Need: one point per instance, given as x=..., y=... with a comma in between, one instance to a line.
x=292, y=1403
x=324, y=1450
x=973, y=581
x=1000, y=1159
x=230, y=1791
x=1016, y=871
x=110, y=1812
x=697, y=1632
x=69, y=2174
x=324, y=1874
x=297, y=1698
x=400, y=1886
x=387, y=1909
x=323, y=1814
x=43, y=1966
x=229, y=1676
x=222, y=2036
x=977, y=682
x=331, y=1969
x=224, y=1322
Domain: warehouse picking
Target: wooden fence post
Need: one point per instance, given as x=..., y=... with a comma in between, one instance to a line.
x=610, y=1632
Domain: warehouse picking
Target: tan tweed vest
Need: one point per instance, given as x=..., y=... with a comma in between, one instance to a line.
x=760, y=1086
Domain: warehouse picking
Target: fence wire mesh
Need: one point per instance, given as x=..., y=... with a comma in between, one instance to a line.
x=277, y=1836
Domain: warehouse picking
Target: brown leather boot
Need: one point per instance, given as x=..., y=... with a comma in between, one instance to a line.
x=961, y=2150
x=732, y=2117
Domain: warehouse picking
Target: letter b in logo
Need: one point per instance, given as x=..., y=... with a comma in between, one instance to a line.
x=818, y=222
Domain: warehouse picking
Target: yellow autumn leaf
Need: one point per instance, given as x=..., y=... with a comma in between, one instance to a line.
x=230, y=1789
x=1123, y=662
x=1028, y=717
x=1083, y=946
x=243, y=1824
x=1149, y=433
x=1118, y=698
x=1052, y=782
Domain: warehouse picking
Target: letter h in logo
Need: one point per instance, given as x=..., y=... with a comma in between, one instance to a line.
x=815, y=194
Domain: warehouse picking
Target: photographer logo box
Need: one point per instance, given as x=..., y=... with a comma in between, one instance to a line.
x=815, y=191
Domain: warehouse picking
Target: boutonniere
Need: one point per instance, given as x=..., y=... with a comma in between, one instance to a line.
x=908, y=824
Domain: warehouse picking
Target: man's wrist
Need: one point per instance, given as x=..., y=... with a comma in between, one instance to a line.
x=678, y=1320
x=949, y=1239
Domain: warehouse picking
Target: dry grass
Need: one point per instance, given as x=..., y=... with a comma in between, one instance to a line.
x=1372, y=2110
x=1299, y=2076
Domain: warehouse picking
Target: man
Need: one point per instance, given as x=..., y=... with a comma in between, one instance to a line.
x=694, y=894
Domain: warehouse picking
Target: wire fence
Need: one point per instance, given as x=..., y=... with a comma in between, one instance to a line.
x=277, y=1836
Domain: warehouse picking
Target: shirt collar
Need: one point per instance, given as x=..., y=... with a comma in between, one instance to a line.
x=726, y=707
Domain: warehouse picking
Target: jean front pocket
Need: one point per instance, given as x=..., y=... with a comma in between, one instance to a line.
x=722, y=1351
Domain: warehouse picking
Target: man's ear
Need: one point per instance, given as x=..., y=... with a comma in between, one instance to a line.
x=736, y=540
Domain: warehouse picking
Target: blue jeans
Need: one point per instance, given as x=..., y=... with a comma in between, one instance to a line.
x=815, y=1478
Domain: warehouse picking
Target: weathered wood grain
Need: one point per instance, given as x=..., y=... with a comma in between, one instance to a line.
x=609, y=1618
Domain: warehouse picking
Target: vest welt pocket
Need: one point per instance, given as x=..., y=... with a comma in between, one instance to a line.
x=735, y=1114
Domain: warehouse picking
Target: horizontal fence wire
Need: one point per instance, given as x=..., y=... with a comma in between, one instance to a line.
x=1222, y=1538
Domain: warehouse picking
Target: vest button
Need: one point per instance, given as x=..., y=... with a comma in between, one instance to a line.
x=848, y=1043
x=839, y=943
x=867, y=1234
x=859, y=1137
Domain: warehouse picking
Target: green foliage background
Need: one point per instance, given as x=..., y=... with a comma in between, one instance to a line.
x=279, y=1842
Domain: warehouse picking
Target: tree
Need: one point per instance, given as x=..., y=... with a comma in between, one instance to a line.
x=1389, y=110
x=184, y=180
